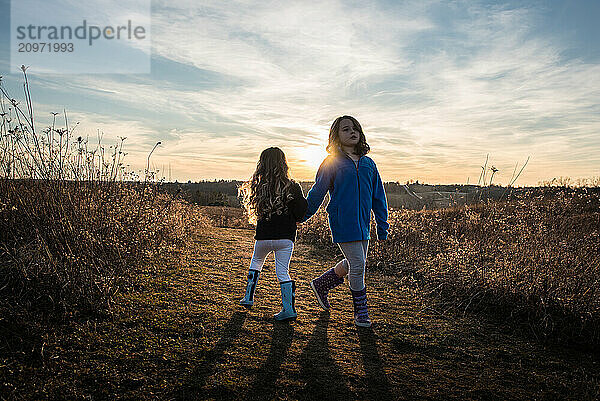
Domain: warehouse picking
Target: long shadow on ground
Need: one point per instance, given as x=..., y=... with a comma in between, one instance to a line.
x=264, y=383
x=323, y=378
x=210, y=360
x=378, y=387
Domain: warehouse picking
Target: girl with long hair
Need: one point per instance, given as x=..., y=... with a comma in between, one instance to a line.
x=275, y=203
x=355, y=188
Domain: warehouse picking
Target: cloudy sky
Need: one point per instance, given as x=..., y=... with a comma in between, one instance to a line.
x=437, y=85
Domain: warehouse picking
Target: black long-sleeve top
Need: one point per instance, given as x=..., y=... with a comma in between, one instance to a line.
x=283, y=226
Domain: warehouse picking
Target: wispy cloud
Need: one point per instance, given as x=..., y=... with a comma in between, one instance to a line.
x=436, y=86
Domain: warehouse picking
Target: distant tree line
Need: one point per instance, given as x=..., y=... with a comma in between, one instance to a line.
x=207, y=193
x=410, y=195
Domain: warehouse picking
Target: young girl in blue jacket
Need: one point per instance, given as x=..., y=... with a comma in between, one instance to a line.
x=355, y=188
x=274, y=202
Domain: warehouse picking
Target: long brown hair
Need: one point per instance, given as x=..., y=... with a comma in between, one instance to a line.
x=268, y=191
x=361, y=148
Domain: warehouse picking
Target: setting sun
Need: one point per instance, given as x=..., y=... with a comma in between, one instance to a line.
x=304, y=162
x=312, y=156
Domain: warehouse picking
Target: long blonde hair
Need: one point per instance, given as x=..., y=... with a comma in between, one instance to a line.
x=268, y=191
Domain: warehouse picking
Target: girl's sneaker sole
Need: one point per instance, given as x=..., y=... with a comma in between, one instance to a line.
x=312, y=285
x=362, y=324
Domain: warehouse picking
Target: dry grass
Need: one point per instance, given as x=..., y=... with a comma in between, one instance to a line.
x=225, y=216
x=533, y=260
x=182, y=336
x=73, y=229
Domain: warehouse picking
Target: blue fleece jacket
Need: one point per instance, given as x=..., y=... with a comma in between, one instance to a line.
x=353, y=192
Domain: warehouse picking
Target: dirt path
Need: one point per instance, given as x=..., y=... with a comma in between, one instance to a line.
x=183, y=336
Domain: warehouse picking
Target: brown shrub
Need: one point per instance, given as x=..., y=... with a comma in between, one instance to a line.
x=74, y=225
x=533, y=259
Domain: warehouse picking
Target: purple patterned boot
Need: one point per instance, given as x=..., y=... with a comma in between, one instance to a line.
x=361, y=312
x=323, y=284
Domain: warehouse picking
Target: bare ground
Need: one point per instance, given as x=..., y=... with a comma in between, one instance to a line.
x=182, y=335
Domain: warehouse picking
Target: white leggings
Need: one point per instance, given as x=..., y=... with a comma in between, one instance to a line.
x=355, y=253
x=282, y=248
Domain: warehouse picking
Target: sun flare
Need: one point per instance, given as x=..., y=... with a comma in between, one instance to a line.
x=312, y=156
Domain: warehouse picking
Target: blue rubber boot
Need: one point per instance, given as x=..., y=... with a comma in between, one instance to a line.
x=248, y=299
x=361, y=312
x=288, y=300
